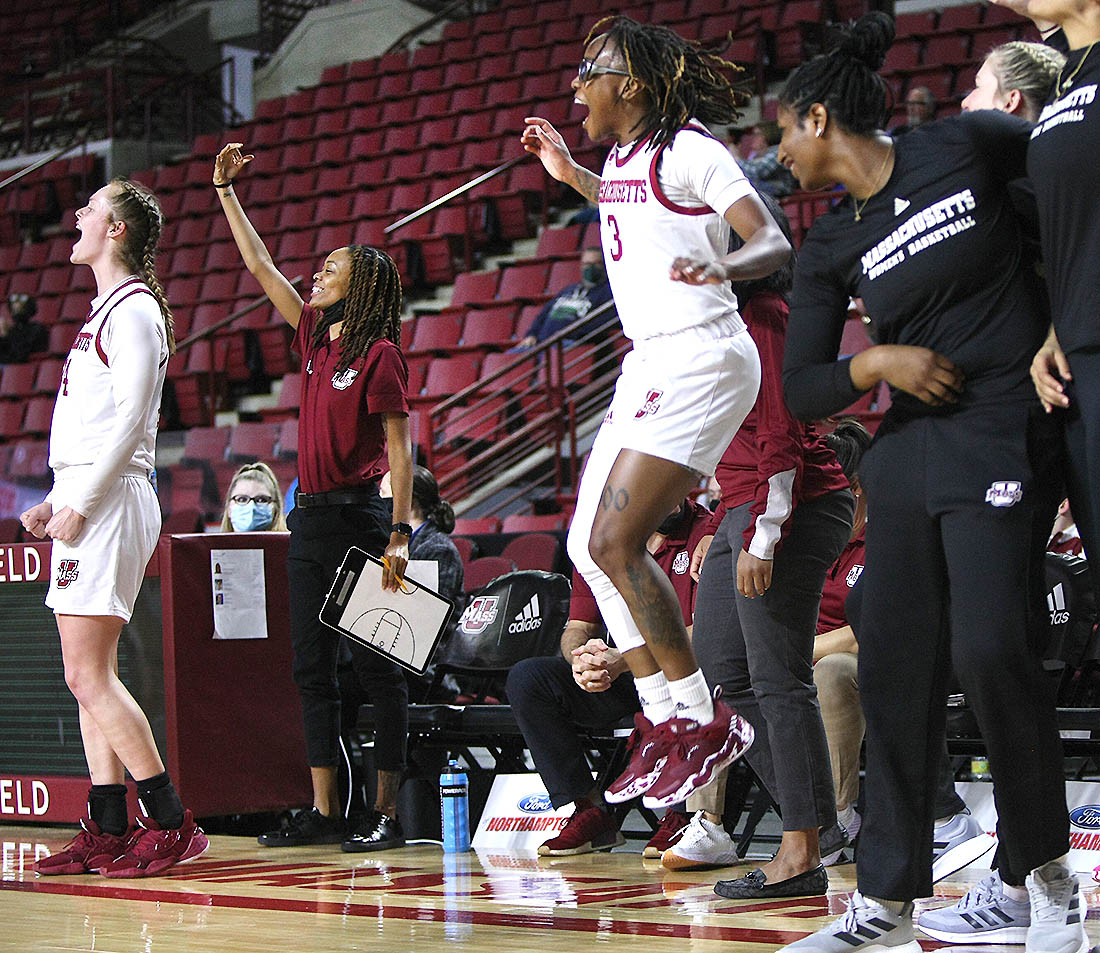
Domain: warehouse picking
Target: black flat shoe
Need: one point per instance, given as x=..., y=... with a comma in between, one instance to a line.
x=305, y=828
x=378, y=832
x=754, y=885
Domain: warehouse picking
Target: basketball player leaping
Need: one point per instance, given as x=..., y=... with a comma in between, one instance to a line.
x=668, y=197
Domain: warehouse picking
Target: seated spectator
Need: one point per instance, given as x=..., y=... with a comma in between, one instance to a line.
x=920, y=107
x=1064, y=536
x=763, y=167
x=573, y=302
x=554, y=697
x=254, y=501
x=747, y=143
x=957, y=839
x=20, y=335
x=432, y=521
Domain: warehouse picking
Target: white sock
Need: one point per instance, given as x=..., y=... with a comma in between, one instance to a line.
x=1016, y=894
x=692, y=698
x=897, y=908
x=850, y=819
x=653, y=693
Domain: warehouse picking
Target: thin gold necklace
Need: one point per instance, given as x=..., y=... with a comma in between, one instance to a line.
x=874, y=186
x=1063, y=85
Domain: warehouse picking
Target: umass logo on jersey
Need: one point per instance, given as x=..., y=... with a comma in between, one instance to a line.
x=652, y=404
x=67, y=572
x=342, y=381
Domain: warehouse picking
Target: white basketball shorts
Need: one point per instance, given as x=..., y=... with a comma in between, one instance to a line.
x=683, y=396
x=100, y=572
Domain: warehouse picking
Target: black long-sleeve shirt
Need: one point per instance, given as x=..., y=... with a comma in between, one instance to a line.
x=1062, y=162
x=937, y=260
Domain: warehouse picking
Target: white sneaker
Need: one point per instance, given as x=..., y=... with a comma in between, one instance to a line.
x=867, y=927
x=957, y=842
x=701, y=846
x=983, y=915
x=1057, y=911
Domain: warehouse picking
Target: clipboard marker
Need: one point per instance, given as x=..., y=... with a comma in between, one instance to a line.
x=400, y=579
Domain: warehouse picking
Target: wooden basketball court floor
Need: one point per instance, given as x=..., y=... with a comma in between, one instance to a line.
x=242, y=898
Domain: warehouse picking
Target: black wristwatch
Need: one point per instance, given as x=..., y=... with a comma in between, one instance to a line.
x=403, y=528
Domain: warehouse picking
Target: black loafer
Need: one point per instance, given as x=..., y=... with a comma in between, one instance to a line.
x=378, y=832
x=754, y=885
x=305, y=828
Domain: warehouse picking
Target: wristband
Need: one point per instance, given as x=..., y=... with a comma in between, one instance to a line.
x=403, y=528
x=223, y=185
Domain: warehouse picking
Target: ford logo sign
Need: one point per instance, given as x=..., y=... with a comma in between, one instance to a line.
x=540, y=804
x=1087, y=816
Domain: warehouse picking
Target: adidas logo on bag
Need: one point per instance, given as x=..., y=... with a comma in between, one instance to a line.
x=530, y=618
x=1056, y=603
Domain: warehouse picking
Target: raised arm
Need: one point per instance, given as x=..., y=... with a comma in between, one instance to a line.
x=257, y=259
x=543, y=140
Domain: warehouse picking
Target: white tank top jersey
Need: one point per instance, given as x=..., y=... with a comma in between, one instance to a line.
x=108, y=404
x=660, y=204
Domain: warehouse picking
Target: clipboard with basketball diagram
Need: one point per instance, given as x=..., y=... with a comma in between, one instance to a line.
x=405, y=626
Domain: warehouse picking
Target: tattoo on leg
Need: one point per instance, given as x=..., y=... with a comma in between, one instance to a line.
x=612, y=497
x=658, y=615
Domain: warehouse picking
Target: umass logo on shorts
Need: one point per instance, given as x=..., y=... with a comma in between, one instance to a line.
x=67, y=572
x=652, y=404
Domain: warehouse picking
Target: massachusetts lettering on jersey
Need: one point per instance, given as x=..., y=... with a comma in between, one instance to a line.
x=623, y=190
x=930, y=226
x=1070, y=108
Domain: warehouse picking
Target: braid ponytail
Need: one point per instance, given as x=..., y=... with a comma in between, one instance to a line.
x=139, y=209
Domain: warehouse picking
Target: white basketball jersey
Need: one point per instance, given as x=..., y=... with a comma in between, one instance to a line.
x=657, y=205
x=108, y=404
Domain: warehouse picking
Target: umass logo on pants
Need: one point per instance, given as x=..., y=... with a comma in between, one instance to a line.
x=67, y=572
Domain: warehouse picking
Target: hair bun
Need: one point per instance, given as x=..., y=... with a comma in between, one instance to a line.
x=868, y=39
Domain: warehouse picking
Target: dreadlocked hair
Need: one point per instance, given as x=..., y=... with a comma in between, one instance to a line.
x=844, y=78
x=684, y=80
x=372, y=307
x=139, y=209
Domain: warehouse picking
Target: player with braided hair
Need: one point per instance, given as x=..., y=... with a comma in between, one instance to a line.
x=1016, y=77
x=669, y=196
x=353, y=426
x=104, y=519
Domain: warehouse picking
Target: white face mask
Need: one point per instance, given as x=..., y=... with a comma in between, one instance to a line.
x=250, y=517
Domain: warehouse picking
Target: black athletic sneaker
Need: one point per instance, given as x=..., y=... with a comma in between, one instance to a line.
x=377, y=832
x=306, y=827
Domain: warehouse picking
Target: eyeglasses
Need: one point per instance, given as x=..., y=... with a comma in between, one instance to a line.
x=589, y=69
x=241, y=499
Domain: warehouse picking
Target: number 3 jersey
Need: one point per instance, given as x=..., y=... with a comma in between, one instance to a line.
x=659, y=204
x=108, y=404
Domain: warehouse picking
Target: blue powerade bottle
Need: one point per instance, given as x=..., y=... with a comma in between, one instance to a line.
x=454, y=797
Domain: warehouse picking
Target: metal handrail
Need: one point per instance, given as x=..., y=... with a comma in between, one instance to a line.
x=81, y=139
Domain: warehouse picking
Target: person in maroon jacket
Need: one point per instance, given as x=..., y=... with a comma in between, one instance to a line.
x=785, y=516
x=353, y=426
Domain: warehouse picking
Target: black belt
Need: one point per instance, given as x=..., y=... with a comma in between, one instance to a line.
x=336, y=497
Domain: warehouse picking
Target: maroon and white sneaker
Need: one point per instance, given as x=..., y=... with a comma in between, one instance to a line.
x=647, y=748
x=589, y=829
x=153, y=850
x=698, y=753
x=669, y=831
x=86, y=853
